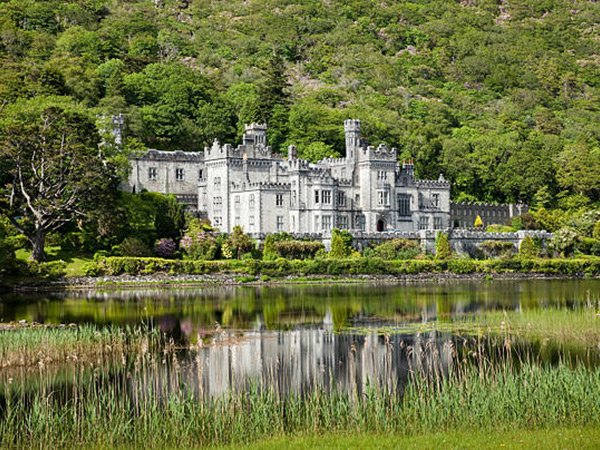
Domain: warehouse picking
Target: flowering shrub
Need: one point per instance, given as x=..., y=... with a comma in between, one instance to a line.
x=165, y=248
x=564, y=241
x=199, y=245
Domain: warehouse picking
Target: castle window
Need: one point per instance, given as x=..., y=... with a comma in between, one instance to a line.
x=217, y=181
x=279, y=200
x=279, y=223
x=179, y=174
x=251, y=201
x=217, y=203
x=326, y=223
x=293, y=223
x=294, y=197
x=200, y=174
x=316, y=196
x=381, y=175
x=251, y=223
x=437, y=223
x=237, y=202
x=317, y=223
x=423, y=223
x=237, y=221
x=383, y=198
x=152, y=173
x=404, y=205
x=435, y=199
x=341, y=198
x=218, y=221
x=342, y=222
x=326, y=197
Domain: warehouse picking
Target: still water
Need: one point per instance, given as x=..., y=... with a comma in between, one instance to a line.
x=294, y=338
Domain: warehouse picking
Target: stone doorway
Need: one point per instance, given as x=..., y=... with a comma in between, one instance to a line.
x=380, y=225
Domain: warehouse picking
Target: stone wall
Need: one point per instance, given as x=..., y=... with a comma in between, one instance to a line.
x=463, y=214
x=461, y=241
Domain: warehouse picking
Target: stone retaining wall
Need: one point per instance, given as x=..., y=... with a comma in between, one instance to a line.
x=463, y=241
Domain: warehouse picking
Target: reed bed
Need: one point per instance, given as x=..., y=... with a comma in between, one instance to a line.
x=457, y=387
x=40, y=345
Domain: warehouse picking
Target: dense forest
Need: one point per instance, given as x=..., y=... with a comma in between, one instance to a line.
x=500, y=96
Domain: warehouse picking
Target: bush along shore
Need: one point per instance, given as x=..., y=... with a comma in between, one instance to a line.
x=343, y=267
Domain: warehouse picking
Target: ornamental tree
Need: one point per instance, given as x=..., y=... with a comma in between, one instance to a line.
x=478, y=222
x=442, y=247
x=57, y=172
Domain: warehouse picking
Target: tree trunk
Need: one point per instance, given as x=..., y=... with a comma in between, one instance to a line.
x=39, y=241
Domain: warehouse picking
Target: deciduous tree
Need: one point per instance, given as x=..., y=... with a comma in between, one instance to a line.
x=57, y=171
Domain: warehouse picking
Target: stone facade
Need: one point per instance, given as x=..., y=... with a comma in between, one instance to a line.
x=250, y=185
x=463, y=214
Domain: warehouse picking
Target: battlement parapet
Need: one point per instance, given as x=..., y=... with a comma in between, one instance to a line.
x=381, y=153
x=265, y=185
x=175, y=156
x=432, y=184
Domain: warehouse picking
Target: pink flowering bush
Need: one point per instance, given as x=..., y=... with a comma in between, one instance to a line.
x=197, y=243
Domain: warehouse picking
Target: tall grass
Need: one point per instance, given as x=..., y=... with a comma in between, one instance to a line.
x=39, y=345
x=457, y=387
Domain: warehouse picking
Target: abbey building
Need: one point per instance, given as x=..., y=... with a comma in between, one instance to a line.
x=250, y=185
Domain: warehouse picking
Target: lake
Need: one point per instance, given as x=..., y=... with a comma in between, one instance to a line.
x=302, y=338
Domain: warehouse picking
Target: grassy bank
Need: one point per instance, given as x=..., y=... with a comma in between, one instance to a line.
x=559, y=438
x=481, y=398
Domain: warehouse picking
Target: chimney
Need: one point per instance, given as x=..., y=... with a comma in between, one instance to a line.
x=292, y=152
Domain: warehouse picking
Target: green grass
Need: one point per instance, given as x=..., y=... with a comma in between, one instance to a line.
x=39, y=345
x=559, y=438
x=74, y=259
x=478, y=397
x=572, y=327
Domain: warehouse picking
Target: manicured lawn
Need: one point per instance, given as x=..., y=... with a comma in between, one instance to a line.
x=576, y=438
x=73, y=258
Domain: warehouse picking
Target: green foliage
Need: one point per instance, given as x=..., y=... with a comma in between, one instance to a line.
x=589, y=246
x=239, y=242
x=356, y=266
x=91, y=269
x=7, y=251
x=596, y=232
x=197, y=243
x=341, y=242
x=495, y=228
x=564, y=242
x=396, y=249
x=442, y=247
x=294, y=249
x=133, y=246
x=584, y=223
x=497, y=105
x=57, y=173
x=270, y=249
x=528, y=248
x=52, y=270
x=495, y=249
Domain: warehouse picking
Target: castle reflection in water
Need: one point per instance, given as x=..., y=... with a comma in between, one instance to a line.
x=303, y=360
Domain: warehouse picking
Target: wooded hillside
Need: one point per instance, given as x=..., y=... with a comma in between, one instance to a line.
x=500, y=96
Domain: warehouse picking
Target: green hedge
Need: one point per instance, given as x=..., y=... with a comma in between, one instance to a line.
x=358, y=266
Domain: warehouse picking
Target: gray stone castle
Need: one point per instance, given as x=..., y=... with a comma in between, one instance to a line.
x=251, y=186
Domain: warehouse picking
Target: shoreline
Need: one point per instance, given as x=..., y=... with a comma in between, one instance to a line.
x=165, y=281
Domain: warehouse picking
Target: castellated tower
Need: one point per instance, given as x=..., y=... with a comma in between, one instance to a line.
x=352, y=132
x=255, y=134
